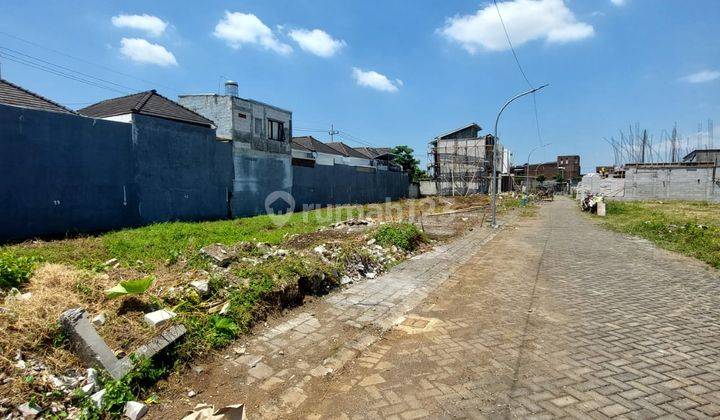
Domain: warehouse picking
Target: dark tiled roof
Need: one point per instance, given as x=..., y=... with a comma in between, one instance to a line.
x=148, y=103
x=346, y=150
x=460, y=129
x=374, y=152
x=312, y=144
x=11, y=94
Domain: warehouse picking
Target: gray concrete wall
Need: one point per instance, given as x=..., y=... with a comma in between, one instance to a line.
x=216, y=108
x=688, y=183
x=257, y=175
x=64, y=173
x=242, y=120
x=339, y=184
x=183, y=172
x=683, y=183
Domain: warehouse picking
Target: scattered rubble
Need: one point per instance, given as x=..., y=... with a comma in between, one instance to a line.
x=159, y=317
x=97, y=398
x=201, y=286
x=219, y=254
x=208, y=412
x=29, y=410
x=135, y=410
x=99, y=319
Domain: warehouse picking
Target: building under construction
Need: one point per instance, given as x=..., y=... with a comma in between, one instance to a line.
x=460, y=161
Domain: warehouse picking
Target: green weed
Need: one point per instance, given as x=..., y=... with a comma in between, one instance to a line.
x=403, y=235
x=15, y=270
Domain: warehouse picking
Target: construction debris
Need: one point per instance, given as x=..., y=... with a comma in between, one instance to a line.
x=135, y=410
x=159, y=317
x=208, y=412
x=219, y=254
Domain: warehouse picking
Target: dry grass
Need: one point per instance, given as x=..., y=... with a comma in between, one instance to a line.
x=30, y=326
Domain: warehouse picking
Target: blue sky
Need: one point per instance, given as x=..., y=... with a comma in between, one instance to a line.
x=397, y=72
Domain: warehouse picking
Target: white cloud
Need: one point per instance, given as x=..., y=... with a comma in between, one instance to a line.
x=240, y=28
x=375, y=80
x=152, y=25
x=701, y=76
x=144, y=52
x=618, y=2
x=317, y=42
x=526, y=20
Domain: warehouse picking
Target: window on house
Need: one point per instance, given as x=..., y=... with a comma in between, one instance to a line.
x=258, y=126
x=276, y=130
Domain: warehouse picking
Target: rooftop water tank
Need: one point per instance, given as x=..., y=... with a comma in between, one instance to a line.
x=231, y=88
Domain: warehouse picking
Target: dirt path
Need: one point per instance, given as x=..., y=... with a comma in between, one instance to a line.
x=556, y=318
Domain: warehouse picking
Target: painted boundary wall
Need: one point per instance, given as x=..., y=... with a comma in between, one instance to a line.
x=65, y=174
x=683, y=183
x=325, y=185
x=257, y=175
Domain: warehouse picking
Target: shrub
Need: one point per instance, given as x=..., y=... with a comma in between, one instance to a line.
x=403, y=235
x=14, y=271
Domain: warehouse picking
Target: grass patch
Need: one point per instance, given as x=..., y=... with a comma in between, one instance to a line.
x=403, y=235
x=165, y=243
x=15, y=270
x=690, y=228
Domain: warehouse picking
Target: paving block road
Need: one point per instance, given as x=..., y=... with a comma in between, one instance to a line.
x=550, y=316
x=555, y=317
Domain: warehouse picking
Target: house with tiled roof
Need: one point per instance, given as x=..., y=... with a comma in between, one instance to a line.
x=149, y=103
x=14, y=95
x=308, y=147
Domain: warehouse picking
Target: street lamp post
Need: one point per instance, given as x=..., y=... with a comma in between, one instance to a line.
x=527, y=167
x=494, y=154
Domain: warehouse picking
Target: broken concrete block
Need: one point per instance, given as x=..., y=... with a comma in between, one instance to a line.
x=88, y=344
x=97, y=398
x=91, y=376
x=158, y=318
x=601, y=209
x=202, y=287
x=219, y=254
x=87, y=389
x=29, y=410
x=99, y=319
x=93, y=350
x=135, y=410
x=157, y=344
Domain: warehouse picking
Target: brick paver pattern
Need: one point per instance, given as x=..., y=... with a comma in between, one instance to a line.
x=555, y=317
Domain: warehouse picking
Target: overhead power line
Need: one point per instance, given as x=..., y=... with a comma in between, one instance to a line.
x=40, y=60
x=522, y=71
x=57, y=72
x=82, y=60
x=345, y=135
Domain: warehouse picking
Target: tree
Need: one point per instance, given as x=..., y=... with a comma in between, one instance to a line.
x=559, y=178
x=404, y=157
x=540, y=178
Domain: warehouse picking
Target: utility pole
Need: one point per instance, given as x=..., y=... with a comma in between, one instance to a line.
x=332, y=132
x=494, y=151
